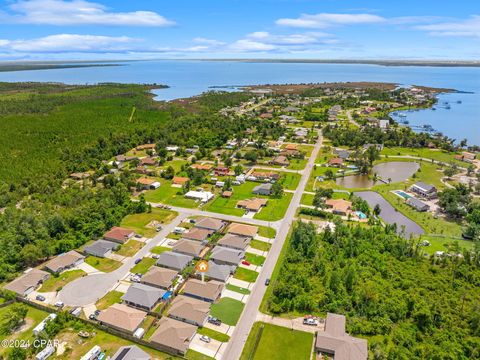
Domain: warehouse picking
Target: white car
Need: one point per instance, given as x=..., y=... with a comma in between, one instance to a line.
x=59, y=304
x=205, y=338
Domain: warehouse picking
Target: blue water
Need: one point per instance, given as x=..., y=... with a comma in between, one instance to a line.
x=187, y=78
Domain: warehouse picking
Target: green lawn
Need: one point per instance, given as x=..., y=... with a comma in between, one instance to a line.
x=143, y=266
x=213, y=334
x=290, y=180
x=103, y=264
x=273, y=342
x=130, y=248
x=169, y=195
x=159, y=249
x=297, y=164
x=318, y=171
x=307, y=199
x=435, y=154
x=254, y=259
x=139, y=222
x=260, y=245
x=266, y=232
x=55, y=283
x=441, y=243
x=246, y=275
x=275, y=209
x=228, y=310
x=238, y=289
x=113, y=297
x=194, y=355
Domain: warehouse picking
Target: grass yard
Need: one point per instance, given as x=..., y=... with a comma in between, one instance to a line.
x=273, y=342
x=438, y=243
x=169, y=195
x=228, y=310
x=254, y=259
x=139, y=222
x=159, y=249
x=290, y=181
x=130, y=248
x=246, y=275
x=194, y=355
x=55, y=283
x=267, y=232
x=238, y=289
x=260, y=245
x=318, y=171
x=435, y=154
x=307, y=199
x=103, y=264
x=113, y=297
x=213, y=334
x=297, y=164
x=275, y=209
x=143, y=266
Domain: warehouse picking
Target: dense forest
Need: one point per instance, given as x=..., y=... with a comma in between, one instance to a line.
x=408, y=306
x=51, y=130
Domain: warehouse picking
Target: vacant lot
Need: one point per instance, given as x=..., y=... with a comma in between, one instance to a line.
x=167, y=194
x=228, y=310
x=103, y=264
x=260, y=245
x=55, y=283
x=245, y=275
x=113, y=297
x=273, y=342
x=130, y=248
x=254, y=259
x=143, y=266
x=139, y=222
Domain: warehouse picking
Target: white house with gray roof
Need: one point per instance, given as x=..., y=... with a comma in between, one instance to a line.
x=101, y=248
x=131, y=352
x=226, y=256
x=219, y=272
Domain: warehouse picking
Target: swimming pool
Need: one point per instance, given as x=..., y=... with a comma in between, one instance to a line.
x=402, y=194
x=360, y=215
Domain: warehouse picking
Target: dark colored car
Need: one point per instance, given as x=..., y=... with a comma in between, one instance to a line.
x=40, y=298
x=137, y=261
x=267, y=282
x=214, y=321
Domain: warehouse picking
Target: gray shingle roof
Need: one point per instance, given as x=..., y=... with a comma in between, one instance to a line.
x=132, y=352
x=100, y=248
x=219, y=272
x=231, y=256
x=173, y=260
x=143, y=295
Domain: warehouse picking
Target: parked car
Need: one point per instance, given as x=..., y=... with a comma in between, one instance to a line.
x=40, y=298
x=138, y=236
x=155, y=256
x=171, y=243
x=214, y=321
x=159, y=228
x=59, y=304
x=192, y=221
x=310, y=321
x=245, y=262
x=267, y=282
x=137, y=261
x=92, y=317
x=205, y=338
x=76, y=312
x=97, y=312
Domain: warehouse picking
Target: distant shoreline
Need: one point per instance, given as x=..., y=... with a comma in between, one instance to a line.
x=37, y=66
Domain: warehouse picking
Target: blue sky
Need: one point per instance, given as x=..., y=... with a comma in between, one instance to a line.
x=321, y=29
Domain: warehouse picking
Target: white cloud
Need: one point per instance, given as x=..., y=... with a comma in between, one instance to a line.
x=69, y=43
x=208, y=42
x=77, y=12
x=246, y=45
x=325, y=20
x=461, y=28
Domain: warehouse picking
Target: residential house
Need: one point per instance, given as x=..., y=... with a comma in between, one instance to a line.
x=417, y=204
x=174, y=261
x=122, y=317
x=198, y=234
x=263, y=189
x=291, y=147
x=159, y=277
x=208, y=291
x=101, y=248
x=174, y=336
x=221, y=171
x=334, y=341
x=189, y=247
x=383, y=124
x=27, y=282
x=213, y=224
x=243, y=230
x=148, y=183
x=264, y=176
x=342, y=154
x=227, y=194
x=254, y=205
x=64, y=262
x=280, y=160
x=202, y=196
x=180, y=181
x=425, y=190
x=235, y=241
x=119, y=235
x=204, y=167
x=143, y=296
x=227, y=256
x=335, y=162
x=218, y=272
x=148, y=161
x=339, y=206
x=146, y=147
x=189, y=310
x=131, y=352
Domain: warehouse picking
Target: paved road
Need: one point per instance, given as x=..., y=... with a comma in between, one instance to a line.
x=88, y=289
x=249, y=314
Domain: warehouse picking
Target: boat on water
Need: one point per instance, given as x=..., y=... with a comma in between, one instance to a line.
x=459, y=101
x=434, y=109
x=447, y=107
x=402, y=115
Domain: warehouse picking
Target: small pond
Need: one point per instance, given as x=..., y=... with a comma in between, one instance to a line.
x=396, y=171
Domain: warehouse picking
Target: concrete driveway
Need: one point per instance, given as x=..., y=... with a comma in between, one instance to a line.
x=209, y=349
